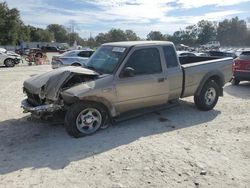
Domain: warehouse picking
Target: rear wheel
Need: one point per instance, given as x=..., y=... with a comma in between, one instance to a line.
x=208, y=97
x=9, y=63
x=235, y=81
x=84, y=118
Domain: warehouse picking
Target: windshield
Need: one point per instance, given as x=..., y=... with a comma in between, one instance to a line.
x=106, y=59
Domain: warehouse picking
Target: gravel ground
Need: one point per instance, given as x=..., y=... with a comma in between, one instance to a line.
x=178, y=147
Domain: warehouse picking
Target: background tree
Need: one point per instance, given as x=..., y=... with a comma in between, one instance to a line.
x=155, y=35
x=59, y=32
x=72, y=37
x=131, y=35
x=101, y=38
x=116, y=35
x=206, y=31
x=10, y=23
x=40, y=35
x=232, y=32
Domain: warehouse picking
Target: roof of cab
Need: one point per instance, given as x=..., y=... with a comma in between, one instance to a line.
x=138, y=43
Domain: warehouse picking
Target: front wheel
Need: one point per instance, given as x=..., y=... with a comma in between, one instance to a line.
x=9, y=63
x=208, y=97
x=84, y=118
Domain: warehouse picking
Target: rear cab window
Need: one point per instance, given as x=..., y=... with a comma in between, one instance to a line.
x=170, y=57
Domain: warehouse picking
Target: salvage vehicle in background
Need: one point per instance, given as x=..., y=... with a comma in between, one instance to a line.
x=211, y=45
x=222, y=54
x=34, y=53
x=122, y=77
x=8, y=58
x=241, y=68
x=47, y=49
x=185, y=53
x=73, y=58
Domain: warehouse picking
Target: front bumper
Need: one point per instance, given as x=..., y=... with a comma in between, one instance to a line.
x=18, y=60
x=47, y=108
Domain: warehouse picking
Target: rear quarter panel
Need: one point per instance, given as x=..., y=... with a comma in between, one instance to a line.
x=196, y=74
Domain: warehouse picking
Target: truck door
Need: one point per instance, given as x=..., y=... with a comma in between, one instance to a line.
x=174, y=73
x=147, y=86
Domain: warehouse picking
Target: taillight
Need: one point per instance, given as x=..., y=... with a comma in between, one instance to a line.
x=236, y=65
x=233, y=69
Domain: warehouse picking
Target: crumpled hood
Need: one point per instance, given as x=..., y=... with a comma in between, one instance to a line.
x=48, y=84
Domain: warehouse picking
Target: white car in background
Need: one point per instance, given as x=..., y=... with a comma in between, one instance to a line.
x=185, y=54
x=211, y=44
x=8, y=58
x=72, y=58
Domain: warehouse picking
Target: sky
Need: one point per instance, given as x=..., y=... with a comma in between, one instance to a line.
x=90, y=17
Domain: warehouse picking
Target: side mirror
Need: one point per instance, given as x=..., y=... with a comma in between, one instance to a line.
x=128, y=72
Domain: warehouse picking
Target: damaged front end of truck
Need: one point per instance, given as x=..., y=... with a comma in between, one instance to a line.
x=44, y=91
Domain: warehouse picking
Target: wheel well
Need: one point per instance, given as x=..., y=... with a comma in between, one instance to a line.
x=105, y=104
x=8, y=59
x=218, y=81
x=76, y=64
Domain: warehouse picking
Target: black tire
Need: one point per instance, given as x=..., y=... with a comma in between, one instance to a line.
x=72, y=117
x=235, y=81
x=76, y=64
x=9, y=62
x=209, y=90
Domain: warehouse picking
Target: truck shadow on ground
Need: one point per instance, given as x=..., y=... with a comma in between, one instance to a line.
x=27, y=144
x=241, y=91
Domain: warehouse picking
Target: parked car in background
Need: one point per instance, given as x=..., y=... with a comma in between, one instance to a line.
x=46, y=49
x=222, y=54
x=185, y=53
x=241, y=68
x=74, y=58
x=8, y=58
x=201, y=54
x=211, y=44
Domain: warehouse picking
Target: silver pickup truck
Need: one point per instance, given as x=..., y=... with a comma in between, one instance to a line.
x=121, y=77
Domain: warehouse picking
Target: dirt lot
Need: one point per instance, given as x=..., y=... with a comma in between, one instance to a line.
x=179, y=147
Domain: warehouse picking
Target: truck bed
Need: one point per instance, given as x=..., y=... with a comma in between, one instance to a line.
x=195, y=72
x=193, y=59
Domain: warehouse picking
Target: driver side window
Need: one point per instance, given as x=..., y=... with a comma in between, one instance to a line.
x=145, y=61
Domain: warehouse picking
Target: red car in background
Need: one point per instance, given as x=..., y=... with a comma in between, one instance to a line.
x=241, y=68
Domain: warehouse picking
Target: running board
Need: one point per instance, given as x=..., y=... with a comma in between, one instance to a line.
x=140, y=112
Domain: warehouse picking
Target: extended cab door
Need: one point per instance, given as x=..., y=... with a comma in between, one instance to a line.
x=174, y=73
x=148, y=86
